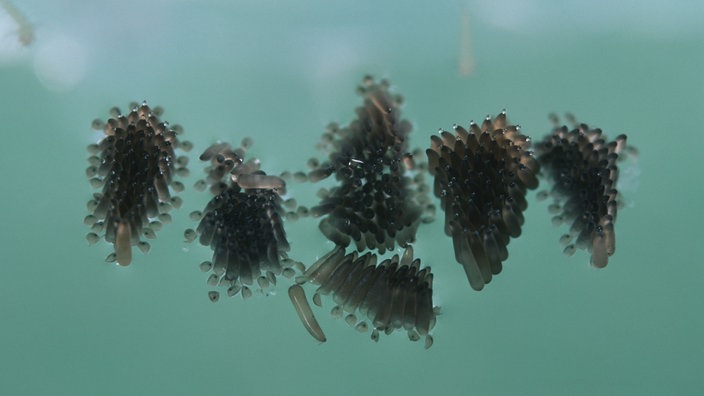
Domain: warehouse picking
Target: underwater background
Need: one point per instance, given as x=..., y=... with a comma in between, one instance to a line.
x=279, y=72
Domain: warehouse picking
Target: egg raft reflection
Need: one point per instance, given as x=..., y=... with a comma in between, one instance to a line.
x=582, y=166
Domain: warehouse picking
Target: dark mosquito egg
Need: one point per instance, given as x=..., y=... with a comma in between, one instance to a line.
x=481, y=177
x=581, y=165
x=377, y=203
x=242, y=223
x=134, y=168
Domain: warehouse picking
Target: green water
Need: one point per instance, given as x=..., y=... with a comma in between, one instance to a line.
x=549, y=324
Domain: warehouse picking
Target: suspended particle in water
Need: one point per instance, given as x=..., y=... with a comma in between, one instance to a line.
x=394, y=295
x=581, y=164
x=466, y=57
x=134, y=169
x=377, y=203
x=481, y=177
x=242, y=223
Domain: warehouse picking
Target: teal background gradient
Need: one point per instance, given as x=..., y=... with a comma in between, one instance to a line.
x=279, y=72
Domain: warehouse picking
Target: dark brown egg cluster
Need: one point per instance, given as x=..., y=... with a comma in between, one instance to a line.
x=581, y=165
x=481, y=178
x=377, y=203
x=242, y=223
x=393, y=295
x=134, y=166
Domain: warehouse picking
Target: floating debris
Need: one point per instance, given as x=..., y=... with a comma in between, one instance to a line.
x=378, y=202
x=481, y=177
x=242, y=223
x=133, y=165
x=396, y=294
x=25, y=30
x=581, y=165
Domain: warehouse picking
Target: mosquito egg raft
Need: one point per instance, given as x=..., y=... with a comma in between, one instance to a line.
x=481, y=177
x=379, y=201
x=242, y=223
x=394, y=295
x=582, y=166
x=133, y=167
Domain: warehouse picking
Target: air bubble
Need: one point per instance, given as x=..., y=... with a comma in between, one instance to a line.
x=91, y=205
x=247, y=142
x=200, y=185
x=234, y=289
x=182, y=172
x=554, y=208
x=177, y=186
x=176, y=202
x=246, y=293
x=96, y=182
x=92, y=238
x=98, y=227
x=144, y=247
x=288, y=273
x=300, y=177
x=557, y=220
x=569, y=250
x=205, y=266
x=190, y=235
x=97, y=124
x=182, y=160
x=165, y=207
x=351, y=320
x=213, y=296
x=375, y=335
x=91, y=171
x=263, y=282
x=164, y=218
x=565, y=239
x=186, y=145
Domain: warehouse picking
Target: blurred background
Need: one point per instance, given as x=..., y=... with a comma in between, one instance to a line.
x=279, y=72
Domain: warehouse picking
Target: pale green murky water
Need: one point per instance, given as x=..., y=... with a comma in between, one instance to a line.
x=549, y=324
